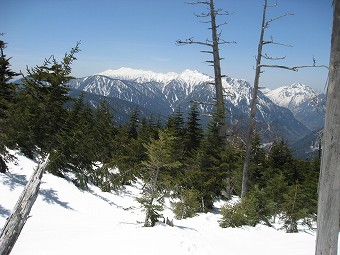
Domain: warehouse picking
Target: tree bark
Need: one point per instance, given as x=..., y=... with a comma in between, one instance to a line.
x=3, y=166
x=251, y=127
x=329, y=182
x=217, y=72
x=20, y=214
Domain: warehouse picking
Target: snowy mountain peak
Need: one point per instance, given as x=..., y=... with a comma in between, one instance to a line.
x=194, y=77
x=293, y=95
x=190, y=77
x=138, y=75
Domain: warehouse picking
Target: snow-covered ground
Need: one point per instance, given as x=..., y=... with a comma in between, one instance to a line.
x=67, y=220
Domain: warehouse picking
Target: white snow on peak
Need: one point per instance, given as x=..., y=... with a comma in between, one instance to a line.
x=290, y=96
x=192, y=77
x=189, y=76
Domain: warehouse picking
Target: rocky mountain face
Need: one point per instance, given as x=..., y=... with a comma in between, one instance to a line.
x=161, y=94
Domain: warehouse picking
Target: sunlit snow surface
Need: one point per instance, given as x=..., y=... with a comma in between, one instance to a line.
x=67, y=220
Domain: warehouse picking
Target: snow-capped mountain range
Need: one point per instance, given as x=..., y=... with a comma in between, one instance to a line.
x=160, y=94
x=189, y=77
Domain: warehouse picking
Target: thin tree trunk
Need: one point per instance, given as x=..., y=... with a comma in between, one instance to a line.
x=20, y=214
x=153, y=190
x=249, y=141
x=217, y=72
x=3, y=166
x=329, y=182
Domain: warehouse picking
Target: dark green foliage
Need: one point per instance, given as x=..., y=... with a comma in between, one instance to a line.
x=152, y=210
x=193, y=134
x=133, y=124
x=7, y=88
x=240, y=214
x=176, y=123
x=255, y=208
x=7, y=94
x=293, y=208
x=40, y=113
x=87, y=138
x=189, y=205
x=158, y=167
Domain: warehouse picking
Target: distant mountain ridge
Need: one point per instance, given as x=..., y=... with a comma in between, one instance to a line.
x=163, y=93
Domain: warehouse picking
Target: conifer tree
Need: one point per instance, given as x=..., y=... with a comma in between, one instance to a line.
x=133, y=124
x=160, y=159
x=7, y=94
x=207, y=170
x=41, y=113
x=176, y=123
x=7, y=87
x=193, y=134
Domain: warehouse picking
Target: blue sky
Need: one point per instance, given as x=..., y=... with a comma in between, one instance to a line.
x=142, y=33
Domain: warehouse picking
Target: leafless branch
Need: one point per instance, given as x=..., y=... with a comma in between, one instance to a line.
x=222, y=24
x=293, y=68
x=265, y=56
x=207, y=51
x=272, y=5
x=191, y=41
x=277, y=18
x=202, y=15
x=225, y=42
x=199, y=2
x=271, y=41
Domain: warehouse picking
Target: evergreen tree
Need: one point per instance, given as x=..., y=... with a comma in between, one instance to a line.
x=281, y=158
x=206, y=170
x=258, y=164
x=193, y=134
x=105, y=132
x=176, y=123
x=160, y=160
x=133, y=124
x=41, y=113
x=7, y=94
x=148, y=130
x=7, y=87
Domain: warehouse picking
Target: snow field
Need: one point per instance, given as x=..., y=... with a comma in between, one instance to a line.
x=67, y=220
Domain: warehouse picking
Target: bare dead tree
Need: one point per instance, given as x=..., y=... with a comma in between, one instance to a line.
x=329, y=181
x=213, y=44
x=258, y=70
x=21, y=211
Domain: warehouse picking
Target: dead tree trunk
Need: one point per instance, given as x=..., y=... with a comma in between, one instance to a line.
x=265, y=24
x=329, y=182
x=245, y=178
x=217, y=72
x=19, y=216
x=213, y=43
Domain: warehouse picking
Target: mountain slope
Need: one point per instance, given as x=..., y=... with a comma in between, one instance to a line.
x=303, y=101
x=67, y=220
x=163, y=93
